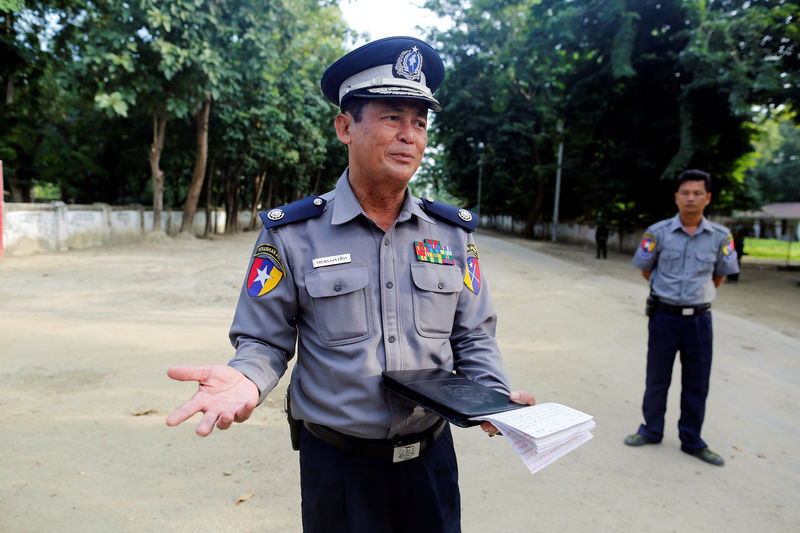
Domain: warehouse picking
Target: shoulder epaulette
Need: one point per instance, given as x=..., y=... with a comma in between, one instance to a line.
x=454, y=215
x=310, y=207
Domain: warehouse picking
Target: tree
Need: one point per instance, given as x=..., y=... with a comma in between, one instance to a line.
x=644, y=90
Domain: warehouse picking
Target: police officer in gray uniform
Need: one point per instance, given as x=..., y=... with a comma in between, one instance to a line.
x=363, y=279
x=685, y=258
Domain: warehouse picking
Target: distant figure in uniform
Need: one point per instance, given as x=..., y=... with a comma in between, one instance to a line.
x=601, y=238
x=685, y=258
x=362, y=279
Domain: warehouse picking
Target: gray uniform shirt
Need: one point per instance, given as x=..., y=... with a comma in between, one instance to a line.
x=683, y=266
x=369, y=305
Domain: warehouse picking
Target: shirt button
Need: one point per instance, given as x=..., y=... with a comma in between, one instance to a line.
x=441, y=285
x=392, y=339
x=386, y=242
x=389, y=284
x=337, y=287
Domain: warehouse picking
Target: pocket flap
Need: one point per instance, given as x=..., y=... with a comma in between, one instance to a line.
x=706, y=257
x=328, y=282
x=670, y=254
x=437, y=278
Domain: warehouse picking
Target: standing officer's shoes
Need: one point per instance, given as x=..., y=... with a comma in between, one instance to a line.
x=708, y=456
x=637, y=440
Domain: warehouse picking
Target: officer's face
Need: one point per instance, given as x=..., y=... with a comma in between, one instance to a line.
x=692, y=197
x=388, y=143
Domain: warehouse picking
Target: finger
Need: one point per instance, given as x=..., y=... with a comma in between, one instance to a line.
x=489, y=428
x=189, y=373
x=206, y=425
x=224, y=422
x=183, y=413
x=523, y=397
x=244, y=413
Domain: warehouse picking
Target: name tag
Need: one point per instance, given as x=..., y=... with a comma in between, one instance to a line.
x=330, y=260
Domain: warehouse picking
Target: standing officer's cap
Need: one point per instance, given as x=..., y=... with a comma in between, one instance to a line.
x=394, y=67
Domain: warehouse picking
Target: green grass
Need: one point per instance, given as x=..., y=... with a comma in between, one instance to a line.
x=771, y=248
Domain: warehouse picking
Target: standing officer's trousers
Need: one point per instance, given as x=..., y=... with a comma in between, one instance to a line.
x=692, y=337
x=343, y=493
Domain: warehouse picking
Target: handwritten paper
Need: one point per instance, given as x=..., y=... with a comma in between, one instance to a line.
x=543, y=433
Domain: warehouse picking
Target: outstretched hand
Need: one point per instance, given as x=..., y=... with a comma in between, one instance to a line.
x=523, y=397
x=224, y=396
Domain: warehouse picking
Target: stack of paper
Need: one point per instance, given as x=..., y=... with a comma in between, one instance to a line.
x=543, y=433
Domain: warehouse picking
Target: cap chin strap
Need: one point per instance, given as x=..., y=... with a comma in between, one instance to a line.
x=384, y=82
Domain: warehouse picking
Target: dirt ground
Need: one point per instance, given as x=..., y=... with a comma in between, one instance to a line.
x=86, y=338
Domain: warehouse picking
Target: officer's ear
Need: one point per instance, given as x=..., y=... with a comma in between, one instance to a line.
x=342, y=124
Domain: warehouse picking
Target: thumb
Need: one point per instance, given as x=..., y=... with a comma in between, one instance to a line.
x=188, y=373
x=523, y=397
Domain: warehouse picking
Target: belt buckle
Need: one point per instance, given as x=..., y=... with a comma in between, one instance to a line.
x=687, y=311
x=404, y=453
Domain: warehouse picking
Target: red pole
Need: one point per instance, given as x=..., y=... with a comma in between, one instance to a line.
x=1, y=209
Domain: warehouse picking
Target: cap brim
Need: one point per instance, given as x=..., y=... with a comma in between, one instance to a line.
x=396, y=92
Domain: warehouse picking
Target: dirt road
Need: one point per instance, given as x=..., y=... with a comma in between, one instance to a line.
x=86, y=337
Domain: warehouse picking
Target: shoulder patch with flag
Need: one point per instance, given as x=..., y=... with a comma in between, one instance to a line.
x=264, y=276
x=647, y=246
x=472, y=277
x=729, y=249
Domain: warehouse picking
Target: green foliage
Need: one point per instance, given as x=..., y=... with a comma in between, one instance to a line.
x=644, y=89
x=774, y=168
x=89, y=76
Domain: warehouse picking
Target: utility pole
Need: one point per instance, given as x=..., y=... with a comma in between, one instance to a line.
x=480, y=179
x=560, y=130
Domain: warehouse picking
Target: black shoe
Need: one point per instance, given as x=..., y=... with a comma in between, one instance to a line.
x=708, y=456
x=637, y=440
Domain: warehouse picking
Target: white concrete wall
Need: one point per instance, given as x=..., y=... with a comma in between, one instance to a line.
x=32, y=228
x=571, y=232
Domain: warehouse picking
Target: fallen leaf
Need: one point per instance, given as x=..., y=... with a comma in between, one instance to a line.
x=736, y=448
x=244, y=498
x=144, y=412
x=762, y=456
x=227, y=473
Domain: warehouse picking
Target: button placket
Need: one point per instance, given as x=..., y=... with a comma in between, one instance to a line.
x=389, y=303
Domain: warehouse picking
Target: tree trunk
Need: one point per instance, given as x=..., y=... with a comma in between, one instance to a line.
x=315, y=189
x=232, y=200
x=190, y=207
x=259, y=188
x=537, y=203
x=209, y=184
x=270, y=194
x=159, y=127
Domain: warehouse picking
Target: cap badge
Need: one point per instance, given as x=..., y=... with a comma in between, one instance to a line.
x=409, y=64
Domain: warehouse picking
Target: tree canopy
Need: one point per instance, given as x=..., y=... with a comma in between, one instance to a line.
x=642, y=90
x=146, y=101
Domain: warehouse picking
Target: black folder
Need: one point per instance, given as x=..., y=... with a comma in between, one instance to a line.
x=452, y=397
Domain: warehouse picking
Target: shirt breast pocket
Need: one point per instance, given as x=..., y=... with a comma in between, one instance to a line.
x=670, y=261
x=436, y=290
x=705, y=263
x=340, y=304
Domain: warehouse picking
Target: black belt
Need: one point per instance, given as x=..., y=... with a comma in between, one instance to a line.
x=684, y=310
x=394, y=450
